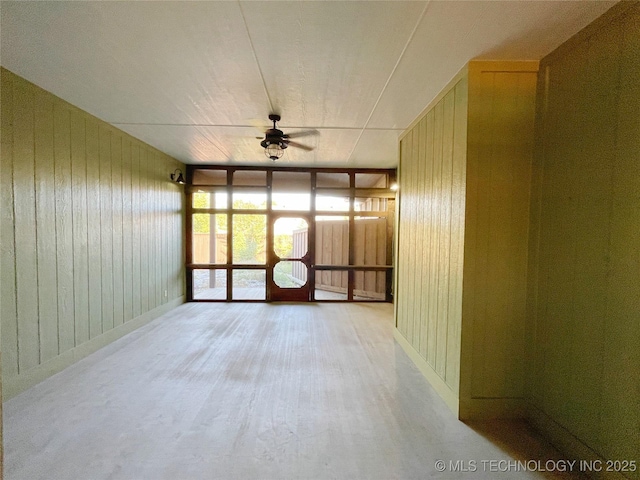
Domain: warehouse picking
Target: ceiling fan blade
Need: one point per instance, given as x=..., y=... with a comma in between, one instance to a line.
x=299, y=145
x=304, y=133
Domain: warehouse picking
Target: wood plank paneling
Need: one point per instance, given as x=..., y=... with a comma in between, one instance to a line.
x=381, y=236
x=533, y=388
x=8, y=311
x=64, y=227
x=434, y=247
x=456, y=254
x=106, y=226
x=46, y=282
x=144, y=235
x=153, y=234
x=413, y=190
x=445, y=221
x=421, y=179
x=501, y=116
x=585, y=242
x=166, y=242
x=586, y=203
x=477, y=230
x=158, y=234
x=94, y=229
x=621, y=411
x=408, y=210
x=427, y=349
x=80, y=228
x=116, y=229
x=81, y=199
x=152, y=237
x=500, y=145
x=432, y=187
x=28, y=345
x=127, y=230
x=404, y=235
x=415, y=237
x=136, y=230
x=428, y=225
x=464, y=193
x=399, y=277
x=332, y=247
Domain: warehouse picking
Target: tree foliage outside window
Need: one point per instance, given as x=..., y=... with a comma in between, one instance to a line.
x=249, y=234
x=201, y=223
x=249, y=231
x=283, y=245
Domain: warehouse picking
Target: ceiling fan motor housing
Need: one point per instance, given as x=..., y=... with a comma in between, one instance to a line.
x=273, y=136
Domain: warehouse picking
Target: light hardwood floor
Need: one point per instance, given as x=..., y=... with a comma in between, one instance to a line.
x=248, y=391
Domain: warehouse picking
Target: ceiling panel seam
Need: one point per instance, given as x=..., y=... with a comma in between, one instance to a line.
x=255, y=57
x=316, y=127
x=393, y=71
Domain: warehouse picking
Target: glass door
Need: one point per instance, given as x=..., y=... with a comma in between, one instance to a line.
x=289, y=262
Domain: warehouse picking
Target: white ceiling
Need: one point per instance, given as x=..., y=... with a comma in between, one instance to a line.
x=192, y=78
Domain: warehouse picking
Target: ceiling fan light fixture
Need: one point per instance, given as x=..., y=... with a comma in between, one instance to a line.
x=273, y=151
x=276, y=141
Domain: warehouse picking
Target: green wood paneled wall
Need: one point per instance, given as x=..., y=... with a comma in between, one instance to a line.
x=499, y=157
x=92, y=228
x=431, y=234
x=584, y=283
x=464, y=176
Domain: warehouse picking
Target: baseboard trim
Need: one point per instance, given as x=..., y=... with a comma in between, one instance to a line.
x=13, y=386
x=436, y=381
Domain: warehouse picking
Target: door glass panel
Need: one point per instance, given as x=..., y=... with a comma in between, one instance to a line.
x=290, y=237
x=208, y=247
x=331, y=285
x=249, y=285
x=249, y=239
x=332, y=240
x=290, y=274
x=209, y=284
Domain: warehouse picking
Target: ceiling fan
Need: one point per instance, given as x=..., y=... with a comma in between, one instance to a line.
x=275, y=140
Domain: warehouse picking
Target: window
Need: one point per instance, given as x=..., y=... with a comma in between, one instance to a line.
x=259, y=234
